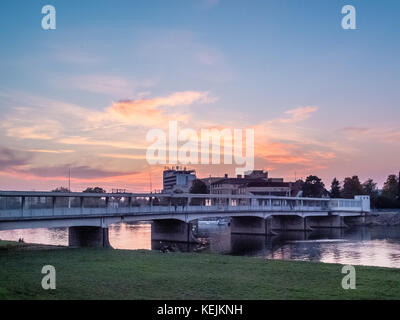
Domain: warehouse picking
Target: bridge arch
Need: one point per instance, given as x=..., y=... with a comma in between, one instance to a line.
x=247, y=224
x=293, y=222
x=174, y=230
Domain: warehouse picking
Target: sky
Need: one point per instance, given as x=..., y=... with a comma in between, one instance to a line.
x=322, y=100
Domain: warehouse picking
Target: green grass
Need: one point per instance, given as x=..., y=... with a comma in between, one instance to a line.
x=9, y=244
x=120, y=274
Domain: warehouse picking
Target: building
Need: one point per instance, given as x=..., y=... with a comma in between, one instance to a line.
x=210, y=180
x=256, y=182
x=257, y=174
x=178, y=180
x=266, y=188
x=227, y=185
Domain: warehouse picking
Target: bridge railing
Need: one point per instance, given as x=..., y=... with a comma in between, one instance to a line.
x=149, y=210
x=14, y=204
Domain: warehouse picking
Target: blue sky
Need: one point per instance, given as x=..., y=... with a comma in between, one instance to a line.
x=255, y=59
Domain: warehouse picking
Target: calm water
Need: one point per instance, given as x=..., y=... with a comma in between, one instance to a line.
x=374, y=246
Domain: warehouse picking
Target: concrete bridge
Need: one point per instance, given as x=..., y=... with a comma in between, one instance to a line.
x=88, y=215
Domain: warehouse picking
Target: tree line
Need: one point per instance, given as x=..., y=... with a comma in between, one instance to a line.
x=87, y=190
x=388, y=197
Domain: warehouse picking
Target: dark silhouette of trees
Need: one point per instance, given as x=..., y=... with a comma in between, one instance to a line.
x=389, y=197
x=391, y=187
x=94, y=190
x=61, y=189
x=335, y=189
x=313, y=187
x=398, y=189
x=369, y=188
x=383, y=202
x=198, y=186
x=352, y=187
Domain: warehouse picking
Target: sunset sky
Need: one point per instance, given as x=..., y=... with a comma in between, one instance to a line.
x=322, y=100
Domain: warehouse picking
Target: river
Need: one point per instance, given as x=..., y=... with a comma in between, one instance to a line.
x=372, y=246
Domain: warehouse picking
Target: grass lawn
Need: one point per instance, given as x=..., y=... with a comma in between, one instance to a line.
x=4, y=244
x=123, y=274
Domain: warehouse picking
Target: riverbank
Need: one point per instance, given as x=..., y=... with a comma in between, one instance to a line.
x=16, y=246
x=121, y=274
x=388, y=217
x=383, y=218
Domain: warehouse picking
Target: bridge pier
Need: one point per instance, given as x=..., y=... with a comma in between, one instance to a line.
x=249, y=225
x=326, y=222
x=96, y=237
x=289, y=223
x=172, y=230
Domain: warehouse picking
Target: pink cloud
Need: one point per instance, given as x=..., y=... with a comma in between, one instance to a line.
x=157, y=111
x=298, y=114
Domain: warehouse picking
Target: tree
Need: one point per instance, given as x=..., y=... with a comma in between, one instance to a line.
x=61, y=189
x=391, y=187
x=352, y=187
x=369, y=188
x=398, y=189
x=390, y=193
x=313, y=187
x=94, y=190
x=198, y=186
x=335, y=189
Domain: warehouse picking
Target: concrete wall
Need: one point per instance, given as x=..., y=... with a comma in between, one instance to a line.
x=354, y=221
x=325, y=222
x=249, y=225
x=171, y=230
x=289, y=223
x=96, y=237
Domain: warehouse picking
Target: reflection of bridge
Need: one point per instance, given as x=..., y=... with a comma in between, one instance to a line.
x=88, y=215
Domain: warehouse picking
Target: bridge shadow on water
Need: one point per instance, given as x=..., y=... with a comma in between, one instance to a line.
x=270, y=246
x=218, y=239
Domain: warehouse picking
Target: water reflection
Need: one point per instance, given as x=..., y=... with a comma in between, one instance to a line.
x=54, y=236
x=376, y=246
x=130, y=236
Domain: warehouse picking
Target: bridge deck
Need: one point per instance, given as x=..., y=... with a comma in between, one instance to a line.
x=45, y=206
